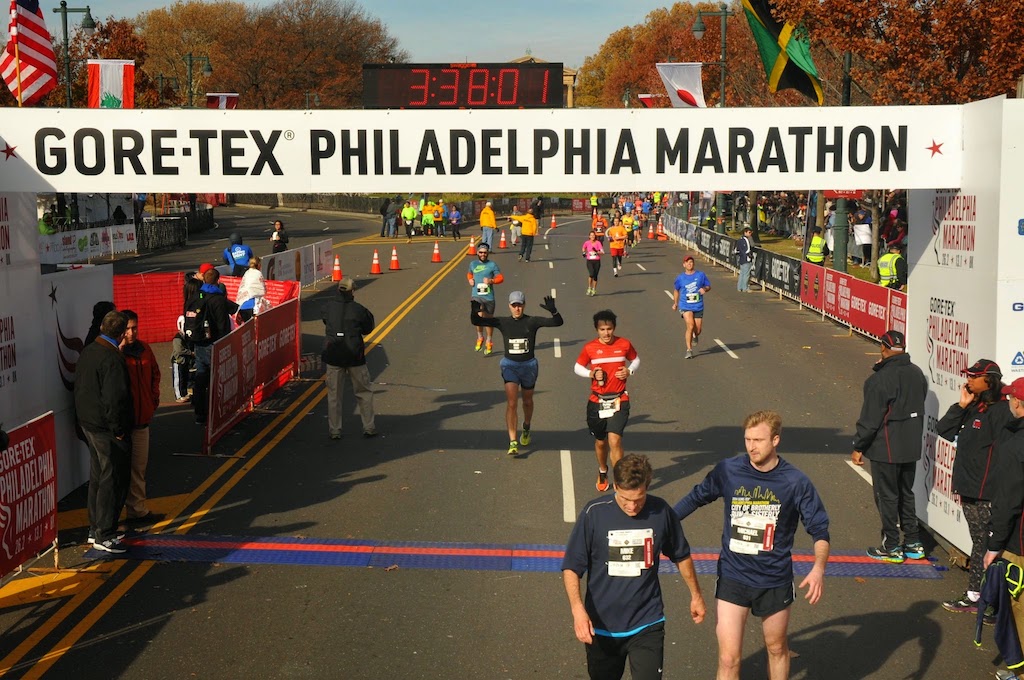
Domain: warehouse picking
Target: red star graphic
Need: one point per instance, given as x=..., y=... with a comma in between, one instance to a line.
x=9, y=151
x=934, y=148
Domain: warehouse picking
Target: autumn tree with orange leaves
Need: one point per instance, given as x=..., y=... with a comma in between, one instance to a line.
x=924, y=52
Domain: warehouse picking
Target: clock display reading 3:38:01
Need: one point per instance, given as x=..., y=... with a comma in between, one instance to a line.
x=462, y=86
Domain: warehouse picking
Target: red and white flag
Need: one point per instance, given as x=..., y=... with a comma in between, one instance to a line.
x=683, y=84
x=222, y=100
x=648, y=100
x=29, y=65
x=111, y=84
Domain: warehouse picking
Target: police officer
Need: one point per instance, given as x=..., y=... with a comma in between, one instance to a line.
x=816, y=251
x=892, y=269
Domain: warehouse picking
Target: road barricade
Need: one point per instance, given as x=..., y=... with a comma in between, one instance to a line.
x=866, y=308
x=249, y=365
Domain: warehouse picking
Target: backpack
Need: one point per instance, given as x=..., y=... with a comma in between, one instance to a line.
x=196, y=328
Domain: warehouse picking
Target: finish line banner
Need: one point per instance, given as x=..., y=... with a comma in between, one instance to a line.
x=561, y=150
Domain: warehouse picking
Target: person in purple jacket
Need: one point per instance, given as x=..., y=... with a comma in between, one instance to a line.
x=764, y=498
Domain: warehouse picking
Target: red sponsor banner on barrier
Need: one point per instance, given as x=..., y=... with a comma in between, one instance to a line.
x=28, y=493
x=232, y=380
x=869, y=305
x=580, y=205
x=277, y=348
x=812, y=285
x=897, y=311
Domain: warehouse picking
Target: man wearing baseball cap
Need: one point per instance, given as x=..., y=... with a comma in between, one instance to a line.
x=519, y=368
x=1005, y=538
x=889, y=433
x=974, y=423
x=482, y=276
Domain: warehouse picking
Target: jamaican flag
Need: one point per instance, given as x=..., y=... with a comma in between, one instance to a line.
x=785, y=51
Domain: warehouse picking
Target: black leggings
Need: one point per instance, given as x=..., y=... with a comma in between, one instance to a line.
x=977, y=513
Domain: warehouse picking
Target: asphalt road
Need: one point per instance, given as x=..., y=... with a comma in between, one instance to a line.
x=427, y=510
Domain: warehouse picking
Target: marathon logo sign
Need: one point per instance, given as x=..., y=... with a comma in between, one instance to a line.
x=949, y=344
x=954, y=228
x=557, y=150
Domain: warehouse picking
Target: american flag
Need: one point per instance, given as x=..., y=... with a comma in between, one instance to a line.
x=35, y=55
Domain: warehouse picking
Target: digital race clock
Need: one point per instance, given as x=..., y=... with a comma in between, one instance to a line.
x=462, y=86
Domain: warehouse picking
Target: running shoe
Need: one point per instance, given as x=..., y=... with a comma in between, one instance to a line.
x=479, y=344
x=913, y=551
x=513, y=448
x=602, y=481
x=895, y=556
x=488, y=348
x=524, y=438
x=696, y=338
x=1004, y=674
x=963, y=605
x=689, y=354
x=111, y=545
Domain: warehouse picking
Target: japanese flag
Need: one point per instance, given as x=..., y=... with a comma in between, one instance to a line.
x=683, y=84
x=111, y=84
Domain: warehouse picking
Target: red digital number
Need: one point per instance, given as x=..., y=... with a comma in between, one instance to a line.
x=453, y=86
x=477, y=87
x=544, y=93
x=502, y=83
x=416, y=72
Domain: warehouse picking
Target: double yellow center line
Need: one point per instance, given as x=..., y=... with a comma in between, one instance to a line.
x=279, y=426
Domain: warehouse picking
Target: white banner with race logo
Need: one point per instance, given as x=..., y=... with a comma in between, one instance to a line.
x=83, y=245
x=558, y=150
x=954, y=258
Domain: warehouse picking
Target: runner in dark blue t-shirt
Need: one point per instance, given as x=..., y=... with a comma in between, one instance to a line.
x=764, y=498
x=618, y=543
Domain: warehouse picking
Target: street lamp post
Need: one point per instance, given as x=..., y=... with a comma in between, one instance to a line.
x=698, y=32
x=161, y=79
x=88, y=25
x=625, y=98
x=316, y=99
x=207, y=71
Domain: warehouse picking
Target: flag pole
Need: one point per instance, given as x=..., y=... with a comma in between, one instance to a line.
x=17, y=66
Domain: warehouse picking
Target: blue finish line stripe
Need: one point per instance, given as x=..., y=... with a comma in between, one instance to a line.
x=465, y=556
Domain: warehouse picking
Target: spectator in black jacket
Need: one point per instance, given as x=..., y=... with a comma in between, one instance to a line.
x=103, y=406
x=216, y=311
x=974, y=423
x=1005, y=538
x=889, y=433
x=346, y=322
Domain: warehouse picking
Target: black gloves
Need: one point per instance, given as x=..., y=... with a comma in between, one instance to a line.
x=549, y=305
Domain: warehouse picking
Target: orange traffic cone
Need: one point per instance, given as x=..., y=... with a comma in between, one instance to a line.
x=436, y=257
x=650, y=230
x=662, y=236
x=503, y=243
x=336, y=274
x=472, y=246
x=375, y=267
x=594, y=216
x=553, y=223
x=394, y=266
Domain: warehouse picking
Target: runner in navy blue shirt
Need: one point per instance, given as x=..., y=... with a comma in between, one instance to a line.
x=618, y=543
x=764, y=497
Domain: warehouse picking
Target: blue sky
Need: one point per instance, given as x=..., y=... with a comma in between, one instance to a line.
x=554, y=30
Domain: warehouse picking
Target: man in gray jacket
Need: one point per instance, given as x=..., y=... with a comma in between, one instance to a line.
x=889, y=433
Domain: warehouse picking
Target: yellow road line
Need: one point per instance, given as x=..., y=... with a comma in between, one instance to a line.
x=82, y=627
x=68, y=641
x=39, y=634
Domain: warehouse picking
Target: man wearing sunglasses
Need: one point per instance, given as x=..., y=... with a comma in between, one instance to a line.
x=519, y=368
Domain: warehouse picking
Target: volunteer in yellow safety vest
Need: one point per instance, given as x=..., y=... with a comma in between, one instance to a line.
x=816, y=251
x=892, y=269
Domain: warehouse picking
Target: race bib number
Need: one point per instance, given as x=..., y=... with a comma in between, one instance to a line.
x=692, y=297
x=518, y=345
x=606, y=408
x=483, y=289
x=630, y=551
x=750, y=535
